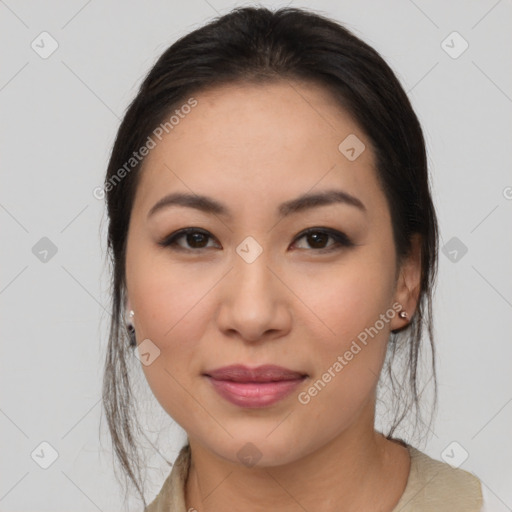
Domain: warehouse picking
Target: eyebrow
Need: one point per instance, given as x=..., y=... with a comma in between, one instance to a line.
x=305, y=202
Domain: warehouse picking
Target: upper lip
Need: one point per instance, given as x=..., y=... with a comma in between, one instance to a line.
x=264, y=373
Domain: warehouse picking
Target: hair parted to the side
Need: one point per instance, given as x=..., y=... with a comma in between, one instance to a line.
x=252, y=44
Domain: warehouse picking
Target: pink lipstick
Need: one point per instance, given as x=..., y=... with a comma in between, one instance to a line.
x=254, y=387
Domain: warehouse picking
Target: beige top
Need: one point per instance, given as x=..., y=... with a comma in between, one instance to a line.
x=432, y=486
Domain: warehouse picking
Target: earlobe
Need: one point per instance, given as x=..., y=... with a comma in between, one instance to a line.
x=128, y=312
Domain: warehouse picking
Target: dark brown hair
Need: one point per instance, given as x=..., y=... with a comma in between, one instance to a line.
x=260, y=45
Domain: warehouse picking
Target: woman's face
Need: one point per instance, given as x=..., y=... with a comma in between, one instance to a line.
x=248, y=287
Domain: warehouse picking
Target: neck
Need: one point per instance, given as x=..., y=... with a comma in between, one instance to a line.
x=357, y=470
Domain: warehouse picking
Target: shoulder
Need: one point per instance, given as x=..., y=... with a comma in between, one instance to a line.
x=435, y=485
x=171, y=497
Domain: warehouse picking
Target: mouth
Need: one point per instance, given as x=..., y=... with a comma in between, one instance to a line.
x=264, y=373
x=254, y=387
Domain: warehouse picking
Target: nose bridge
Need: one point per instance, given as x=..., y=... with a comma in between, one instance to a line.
x=251, y=275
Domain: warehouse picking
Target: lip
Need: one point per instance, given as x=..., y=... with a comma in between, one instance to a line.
x=254, y=387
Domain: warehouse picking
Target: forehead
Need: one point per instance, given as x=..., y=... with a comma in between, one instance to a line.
x=261, y=142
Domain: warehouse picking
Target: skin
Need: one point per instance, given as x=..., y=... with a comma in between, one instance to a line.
x=252, y=147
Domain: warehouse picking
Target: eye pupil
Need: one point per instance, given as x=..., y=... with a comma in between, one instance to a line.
x=317, y=239
x=194, y=239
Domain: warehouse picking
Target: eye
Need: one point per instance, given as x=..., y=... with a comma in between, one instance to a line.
x=195, y=238
x=318, y=237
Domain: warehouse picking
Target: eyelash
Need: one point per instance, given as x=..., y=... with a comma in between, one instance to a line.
x=341, y=240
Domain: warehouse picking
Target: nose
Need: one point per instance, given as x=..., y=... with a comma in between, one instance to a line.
x=254, y=303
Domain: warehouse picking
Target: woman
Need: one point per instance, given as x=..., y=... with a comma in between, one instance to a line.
x=274, y=246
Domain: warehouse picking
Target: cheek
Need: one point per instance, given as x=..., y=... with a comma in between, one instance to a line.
x=350, y=337
x=349, y=346
x=168, y=297
x=167, y=302
x=349, y=297
x=174, y=308
x=173, y=312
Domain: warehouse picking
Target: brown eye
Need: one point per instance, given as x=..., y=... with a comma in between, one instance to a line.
x=194, y=239
x=317, y=239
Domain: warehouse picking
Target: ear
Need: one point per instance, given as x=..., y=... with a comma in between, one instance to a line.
x=408, y=283
x=127, y=308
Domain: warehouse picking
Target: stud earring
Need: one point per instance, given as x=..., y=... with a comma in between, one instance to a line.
x=402, y=314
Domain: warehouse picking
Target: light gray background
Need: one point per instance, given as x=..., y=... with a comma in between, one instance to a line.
x=59, y=119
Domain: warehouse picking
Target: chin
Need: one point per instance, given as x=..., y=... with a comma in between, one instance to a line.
x=254, y=447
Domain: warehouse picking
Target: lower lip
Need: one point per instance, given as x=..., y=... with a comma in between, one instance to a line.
x=254, y=394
